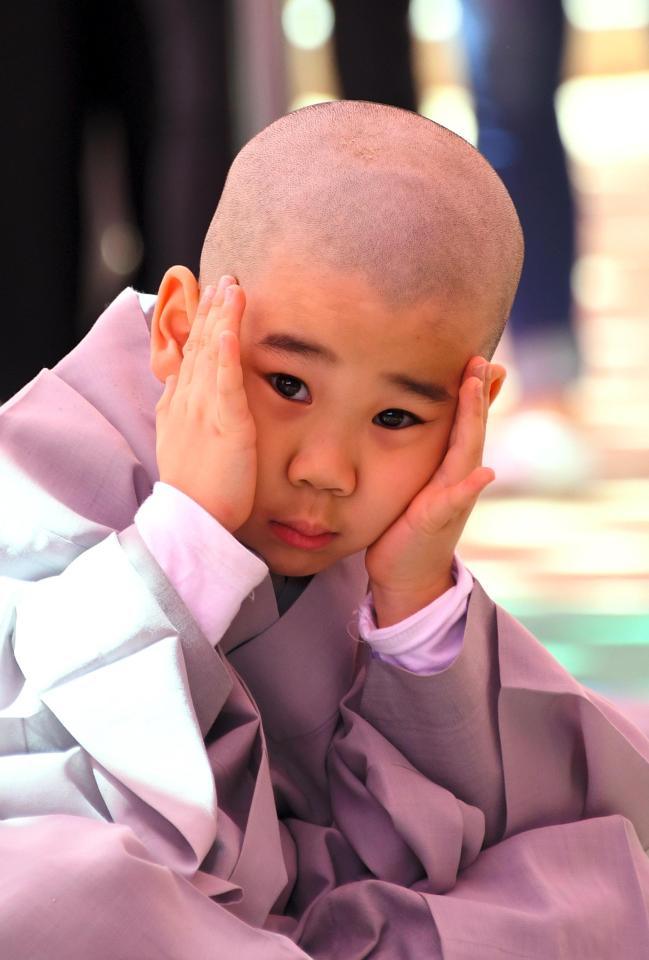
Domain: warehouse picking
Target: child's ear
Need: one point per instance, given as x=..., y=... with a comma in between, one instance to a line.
x=172, y=319
x=498, y=376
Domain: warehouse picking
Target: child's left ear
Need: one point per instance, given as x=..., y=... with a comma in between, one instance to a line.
x=497, y=376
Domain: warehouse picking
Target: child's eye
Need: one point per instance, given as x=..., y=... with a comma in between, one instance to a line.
x=393, y=419
x=288, y=386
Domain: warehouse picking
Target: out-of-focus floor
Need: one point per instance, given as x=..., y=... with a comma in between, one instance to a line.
x=575, y=569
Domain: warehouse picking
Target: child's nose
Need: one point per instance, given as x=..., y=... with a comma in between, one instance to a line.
x=326, y=465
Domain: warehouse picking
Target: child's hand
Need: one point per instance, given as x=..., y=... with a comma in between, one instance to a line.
x=206, y=440
x=409, y=566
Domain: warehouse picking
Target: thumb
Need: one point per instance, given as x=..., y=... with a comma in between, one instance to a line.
x=452, y=502
x=168, y=392
x=463, y=496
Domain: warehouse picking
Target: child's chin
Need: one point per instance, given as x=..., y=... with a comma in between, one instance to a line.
x=300, y=565
x=291, y=562
x=306, y=567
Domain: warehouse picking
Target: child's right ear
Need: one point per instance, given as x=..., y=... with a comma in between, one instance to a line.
x=172, y=319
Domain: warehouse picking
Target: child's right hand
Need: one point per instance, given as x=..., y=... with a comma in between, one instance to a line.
x=206, y=439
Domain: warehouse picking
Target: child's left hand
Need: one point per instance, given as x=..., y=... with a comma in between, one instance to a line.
x=409, y=565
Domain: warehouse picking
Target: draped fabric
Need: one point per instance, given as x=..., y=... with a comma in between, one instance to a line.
x=281, y=794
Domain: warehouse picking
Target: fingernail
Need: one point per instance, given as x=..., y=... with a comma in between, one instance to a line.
x=229, y=292
x=225, y=281
x=481, y=371
x=209, y=292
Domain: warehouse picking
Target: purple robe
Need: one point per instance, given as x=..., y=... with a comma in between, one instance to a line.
x=284, y=795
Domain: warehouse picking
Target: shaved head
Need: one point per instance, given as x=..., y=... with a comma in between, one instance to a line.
x=365, y=188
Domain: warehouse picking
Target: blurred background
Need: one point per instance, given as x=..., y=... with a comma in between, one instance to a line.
x=121, y=119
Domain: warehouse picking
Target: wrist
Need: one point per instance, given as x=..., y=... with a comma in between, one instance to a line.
x=392, y=606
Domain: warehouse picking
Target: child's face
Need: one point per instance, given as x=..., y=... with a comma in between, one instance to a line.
x=329, y=450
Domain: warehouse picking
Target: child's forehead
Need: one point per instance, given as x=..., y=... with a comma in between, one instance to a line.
x=302, y=284
x=316, y=296
x=331, y=316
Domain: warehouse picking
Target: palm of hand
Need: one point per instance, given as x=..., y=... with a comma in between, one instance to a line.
x=415, y=553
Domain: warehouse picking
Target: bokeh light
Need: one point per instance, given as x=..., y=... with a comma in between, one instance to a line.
x=452, y=106
x=607, y=14
x=308, y=98
x=121, y=248
x=435, y=21
x=308, y=24
x=596, y=281
x=604, y=118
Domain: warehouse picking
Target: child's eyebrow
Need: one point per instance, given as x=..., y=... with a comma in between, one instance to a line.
x=286, y=343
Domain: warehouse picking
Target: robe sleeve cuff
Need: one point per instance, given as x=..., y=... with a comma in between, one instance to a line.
x=207, y=566
x=431, y=638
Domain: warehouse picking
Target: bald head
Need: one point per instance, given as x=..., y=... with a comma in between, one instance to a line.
x=371, y=189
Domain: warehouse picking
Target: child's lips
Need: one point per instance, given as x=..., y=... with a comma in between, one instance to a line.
x=305, y=527
x=303, y=541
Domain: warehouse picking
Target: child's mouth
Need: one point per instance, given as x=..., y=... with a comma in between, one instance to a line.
x=296, y=539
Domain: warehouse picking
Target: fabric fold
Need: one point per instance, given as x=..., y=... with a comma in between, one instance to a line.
x=277, y=792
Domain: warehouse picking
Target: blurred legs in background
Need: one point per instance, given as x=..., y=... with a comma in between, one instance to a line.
x=514, y=54
x=514, y=58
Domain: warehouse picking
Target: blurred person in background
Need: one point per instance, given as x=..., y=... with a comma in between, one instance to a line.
x=157, y=70
x=514, y=53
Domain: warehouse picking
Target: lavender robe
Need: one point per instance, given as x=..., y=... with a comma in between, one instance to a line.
x=283, y=795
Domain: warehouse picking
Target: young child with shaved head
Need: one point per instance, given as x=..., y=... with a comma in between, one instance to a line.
x=253, y=703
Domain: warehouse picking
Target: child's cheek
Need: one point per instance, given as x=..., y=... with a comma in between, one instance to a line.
x=413, y=468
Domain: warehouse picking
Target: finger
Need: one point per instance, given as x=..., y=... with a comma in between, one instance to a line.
x=219, y=318
x=191, y=348
x=232, y=402
x=484, y=371
x=473, y=367
x=211, y=299
x=465, y=449
x=470, y=370
x=486, y=385
x=230, y=315
x=464, y=496
x=234, y=301
x=457, y=501
x=465, y=493
x=225, y=282
x=162, y=407
x=495, y=372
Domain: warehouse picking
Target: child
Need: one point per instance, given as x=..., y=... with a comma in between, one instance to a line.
x=253, y=704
